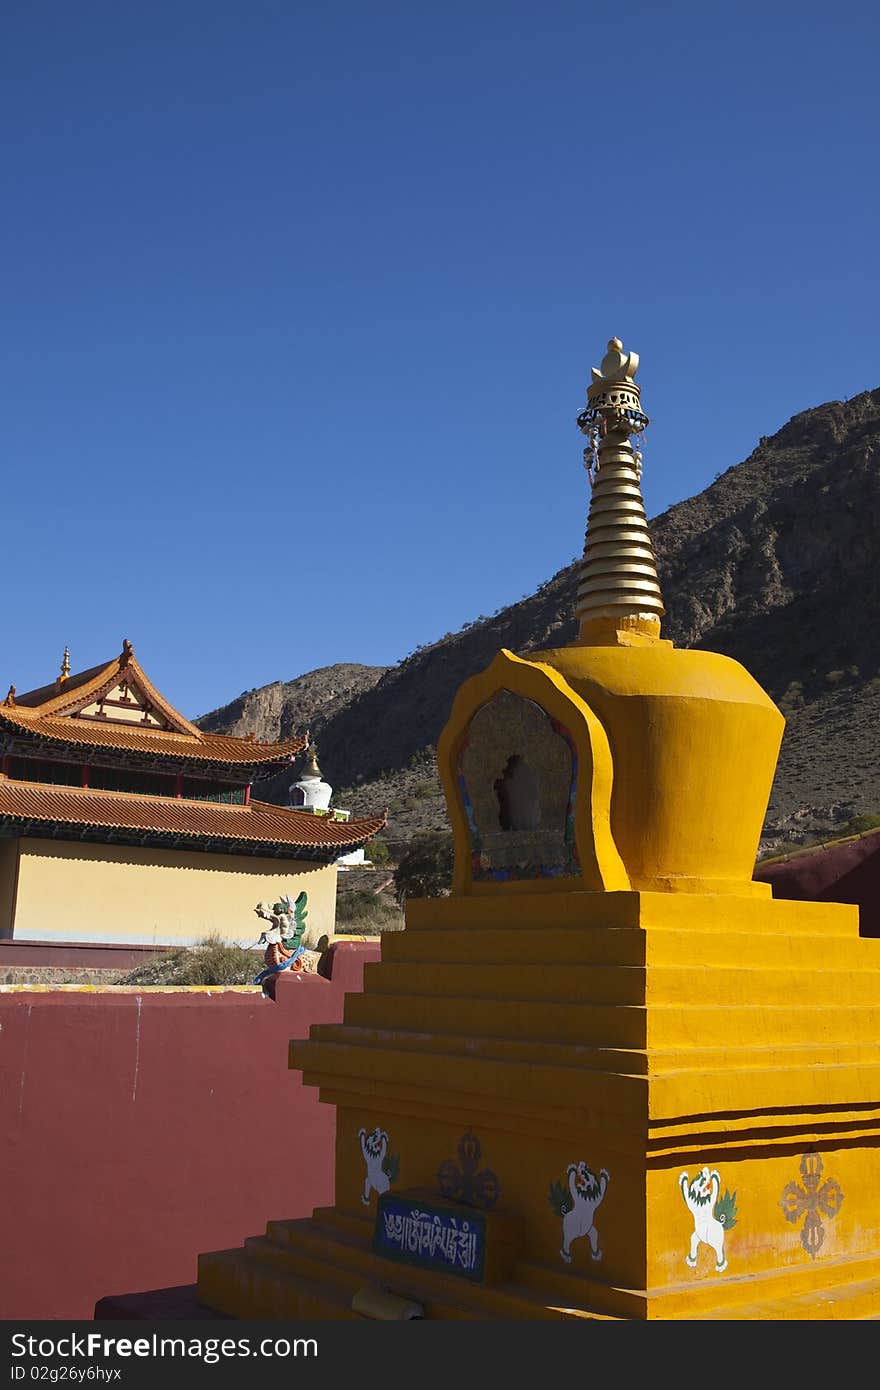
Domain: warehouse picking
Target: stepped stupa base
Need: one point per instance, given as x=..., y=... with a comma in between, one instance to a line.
x=659, y=1035
x=315, y=1268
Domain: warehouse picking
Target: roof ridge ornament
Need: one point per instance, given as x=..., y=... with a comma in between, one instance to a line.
x=10, y=696
x=126, y=653
x=65, y=666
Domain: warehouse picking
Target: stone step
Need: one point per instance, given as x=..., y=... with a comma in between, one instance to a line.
x=579, y=945
x=346, y=1262
x=690, y=1024
x=715, y=1297
x=844, y=1302
x=579, y=1056
x=535, y=912
x=501, y=1082
x=243, y=1287
x=513, y=1018
x=312, y=1268
x=578, y=983
x=358, y=1224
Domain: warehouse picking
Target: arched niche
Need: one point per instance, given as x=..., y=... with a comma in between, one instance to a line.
x=517, y=773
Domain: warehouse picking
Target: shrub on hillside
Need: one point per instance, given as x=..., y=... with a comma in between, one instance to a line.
x=859, y=824
x=364, y=914
x=377, y=851
x=425, y=870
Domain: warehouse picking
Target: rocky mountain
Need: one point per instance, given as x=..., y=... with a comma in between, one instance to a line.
x=285, y=708
x=775, y=564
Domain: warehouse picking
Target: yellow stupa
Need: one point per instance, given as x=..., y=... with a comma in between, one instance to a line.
x=608, y=1076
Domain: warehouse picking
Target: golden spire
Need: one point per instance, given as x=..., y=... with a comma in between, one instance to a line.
x=619, y=591
x=311, y=768
x=65, y=666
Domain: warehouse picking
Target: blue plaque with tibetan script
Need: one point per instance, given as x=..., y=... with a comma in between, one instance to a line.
x=434, y=1235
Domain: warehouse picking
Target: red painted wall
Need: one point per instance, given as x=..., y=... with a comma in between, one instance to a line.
x=80, y=954
x=843, y=871
x=138, y=1129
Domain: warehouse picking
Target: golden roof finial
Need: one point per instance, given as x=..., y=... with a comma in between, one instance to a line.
x=65, y=666
x=619, y=590
x=311, y=768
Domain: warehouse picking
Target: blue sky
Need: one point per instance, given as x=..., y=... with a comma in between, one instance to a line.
x=299, y=301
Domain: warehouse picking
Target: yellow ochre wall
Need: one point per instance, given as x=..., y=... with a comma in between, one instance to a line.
x=83, y=892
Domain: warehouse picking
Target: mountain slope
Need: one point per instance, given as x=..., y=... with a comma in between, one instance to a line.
x=775, y=564
x=286, y=708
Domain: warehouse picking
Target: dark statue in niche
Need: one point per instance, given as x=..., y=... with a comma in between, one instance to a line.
x=517, y=773
x=517, y=793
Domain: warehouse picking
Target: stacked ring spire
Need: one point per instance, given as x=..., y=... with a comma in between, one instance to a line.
x=618, y=578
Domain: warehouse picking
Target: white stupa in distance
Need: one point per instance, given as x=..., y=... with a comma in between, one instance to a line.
x=311, y=793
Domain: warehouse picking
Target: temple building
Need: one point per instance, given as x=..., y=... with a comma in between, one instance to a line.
x=122, y=821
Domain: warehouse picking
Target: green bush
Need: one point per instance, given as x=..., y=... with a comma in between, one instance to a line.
x=859, y=824
x=376, y=851
x=425, y=870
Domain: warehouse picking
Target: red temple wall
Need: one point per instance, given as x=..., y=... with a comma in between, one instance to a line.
x=844, y=871
x=139, y=1129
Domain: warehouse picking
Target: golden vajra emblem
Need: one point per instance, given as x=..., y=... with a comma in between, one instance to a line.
x=463, y=1182
x=812, y=1201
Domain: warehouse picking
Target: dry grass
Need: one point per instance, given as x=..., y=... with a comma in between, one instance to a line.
x=364, y=913
x=209, y=962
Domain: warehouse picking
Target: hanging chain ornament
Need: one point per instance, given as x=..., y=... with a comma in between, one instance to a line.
x=591, y=455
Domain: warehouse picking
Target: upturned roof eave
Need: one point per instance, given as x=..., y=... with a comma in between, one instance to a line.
x=71, y=831
x=106, y=814
x=199, y=750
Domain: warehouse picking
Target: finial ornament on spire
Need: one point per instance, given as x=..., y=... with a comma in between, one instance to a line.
x=311, y=768
x=613, y=398
x=617, y=365
x=65, y=666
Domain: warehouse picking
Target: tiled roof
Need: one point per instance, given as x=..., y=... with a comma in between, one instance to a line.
x=50, y=713
x=258, y=823
x=162, y=743
x=84, y=687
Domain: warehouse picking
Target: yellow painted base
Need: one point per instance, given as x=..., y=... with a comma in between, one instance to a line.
x=649, y=1035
